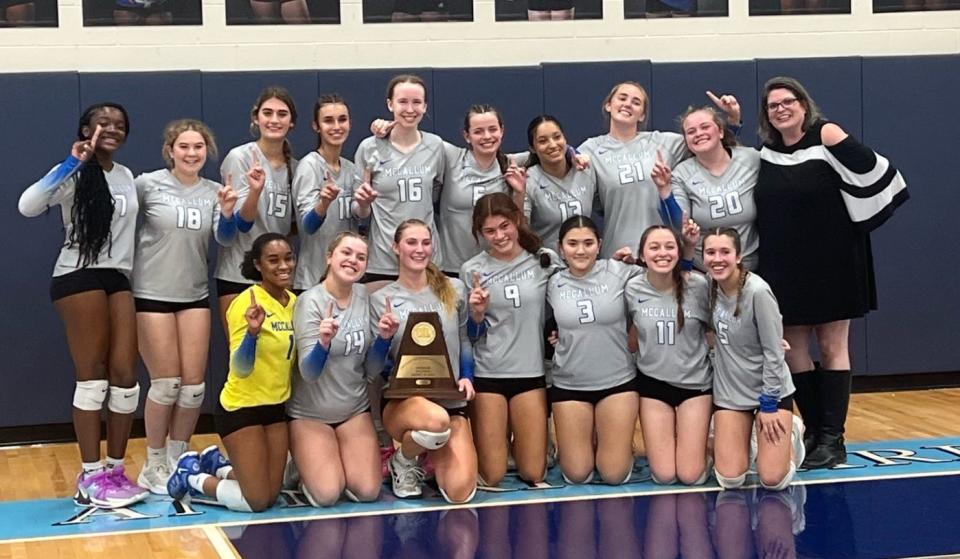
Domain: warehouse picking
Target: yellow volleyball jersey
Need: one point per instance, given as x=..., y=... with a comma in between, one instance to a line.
x=269, y=382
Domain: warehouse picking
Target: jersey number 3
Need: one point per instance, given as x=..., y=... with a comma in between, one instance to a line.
x=586, y=311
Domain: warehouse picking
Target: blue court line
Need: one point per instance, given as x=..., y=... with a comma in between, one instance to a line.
x=60, y=518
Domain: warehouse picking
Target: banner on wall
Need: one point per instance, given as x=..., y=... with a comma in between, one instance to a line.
x=28, y=13
x=141, y=12
x=882, y=6
x=798, y=7
x=411, y=11
x=548, y=10
x=282, y=12
x=634, y=9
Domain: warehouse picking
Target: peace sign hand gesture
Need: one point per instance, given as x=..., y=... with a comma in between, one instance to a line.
x=661, y=175
x=329, y=327
x=227, y=197
x=256, y=176
x=84, y=149
x=255, y=316
x=479, y=299
x=389, y=323
x=729, y=105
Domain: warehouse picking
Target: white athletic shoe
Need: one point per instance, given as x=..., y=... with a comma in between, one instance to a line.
x=153, y=478
x=799, y=449
x=406, y=479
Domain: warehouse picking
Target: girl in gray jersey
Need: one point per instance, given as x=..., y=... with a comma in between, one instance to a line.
x=406, y=173
x=440, y=428
x=323, y=187
x=170, y=290
x=670, y=314
x=624, y=160
x=714, y=187
x=263, y=171
x=507, y=305
x=593, y=390
x=91, y=293
x=752, y=388
x=555, y=188
x=332, y=438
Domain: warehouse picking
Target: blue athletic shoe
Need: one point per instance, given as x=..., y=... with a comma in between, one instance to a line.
x=211, y=460
x=188, y=464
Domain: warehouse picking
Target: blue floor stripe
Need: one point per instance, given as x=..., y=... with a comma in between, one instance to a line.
x=54, y=518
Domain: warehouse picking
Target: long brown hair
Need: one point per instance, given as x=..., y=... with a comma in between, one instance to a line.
x=282, y=95
x=439, y=284
x=715, y=285
x=498, y=203
x=177, y=127
x=679, y=283
x=322, y=101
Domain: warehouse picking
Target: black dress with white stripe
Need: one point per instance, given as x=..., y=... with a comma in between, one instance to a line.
x=815, y=207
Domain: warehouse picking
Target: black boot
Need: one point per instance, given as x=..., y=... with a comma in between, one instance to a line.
x=835, y=396
x=807, y=397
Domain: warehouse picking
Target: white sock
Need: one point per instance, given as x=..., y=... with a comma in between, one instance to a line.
x=114, y=462
x=196, y=481
x=92, y=467
x=404, y=461
x=175, y=449
x=223, y=472
x=155, y=456
x=230, y=496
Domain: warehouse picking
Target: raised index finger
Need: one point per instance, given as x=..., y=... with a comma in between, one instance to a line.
x=329, y=313
x=367, y=175
x=96, y=135
x=476, y=280
x=253, y=299
x=714, y=99
x=660, y=157
x=387, y=305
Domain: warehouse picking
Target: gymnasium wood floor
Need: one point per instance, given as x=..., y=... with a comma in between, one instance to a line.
x=49, y=471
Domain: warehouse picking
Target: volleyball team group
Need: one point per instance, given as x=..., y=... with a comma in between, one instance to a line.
x=688, y=301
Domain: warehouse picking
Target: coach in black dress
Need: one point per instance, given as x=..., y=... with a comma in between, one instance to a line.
x=819, y=194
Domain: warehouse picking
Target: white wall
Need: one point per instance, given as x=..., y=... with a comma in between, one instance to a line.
x=483, y=42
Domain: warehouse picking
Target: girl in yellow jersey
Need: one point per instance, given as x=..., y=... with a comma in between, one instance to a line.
x=250, y=417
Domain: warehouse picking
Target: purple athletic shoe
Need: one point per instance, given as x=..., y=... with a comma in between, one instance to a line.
x=108, y=489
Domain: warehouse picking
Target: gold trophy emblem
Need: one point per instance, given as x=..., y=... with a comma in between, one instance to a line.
x=423, y=364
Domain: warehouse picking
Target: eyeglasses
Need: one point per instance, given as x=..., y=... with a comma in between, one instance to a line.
x=785, y=103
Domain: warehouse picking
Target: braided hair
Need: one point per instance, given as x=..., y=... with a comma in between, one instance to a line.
x=93, y=204
x=715, y=285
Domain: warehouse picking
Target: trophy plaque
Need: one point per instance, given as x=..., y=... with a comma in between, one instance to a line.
x=422, y=366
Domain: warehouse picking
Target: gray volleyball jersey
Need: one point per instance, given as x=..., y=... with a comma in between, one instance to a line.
x=591, y=314
x=463, y=184
x=275, y=210
x=404, y=302
x=307, y=183
x=57, y=188
x=627, y=195
x=724, y=201
x=667, y=353
x=341, y=391
x=407, y=185
x=173, y=237
x=551, y=201
x=749, y=358
x=512, y=346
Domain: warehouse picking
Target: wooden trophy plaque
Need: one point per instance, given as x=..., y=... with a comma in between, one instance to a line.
x=423, y=365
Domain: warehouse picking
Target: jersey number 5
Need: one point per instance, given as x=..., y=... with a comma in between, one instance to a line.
x=722, y=333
